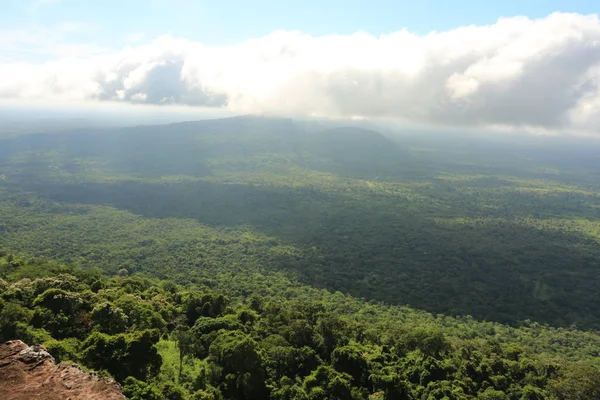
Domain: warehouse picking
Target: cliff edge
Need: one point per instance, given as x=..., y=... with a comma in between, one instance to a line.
x=29, y=372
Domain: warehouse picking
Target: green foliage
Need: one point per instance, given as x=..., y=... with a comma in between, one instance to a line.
x=209, y=393
x=140, y=314
x=273, y=261
x=206, y=329
x=62, y=313
x=492, y=394
x=186, y=345
x=418, y=221
x=11, y=314
x=135, y=389
x=109, y=319
x=171, y=391
x=123, y=355
x=63, y=350
x=582, y=382
x=351, y=359
x=430, y=342
x=300, y=343
x=240, y=365
x=325, y=383
x=205, y=305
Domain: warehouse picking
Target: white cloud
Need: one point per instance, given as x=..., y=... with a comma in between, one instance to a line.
x=135, y=37
x=538, y=73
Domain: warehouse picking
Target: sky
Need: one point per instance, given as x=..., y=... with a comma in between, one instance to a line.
x=116, y=23
x=509, y=64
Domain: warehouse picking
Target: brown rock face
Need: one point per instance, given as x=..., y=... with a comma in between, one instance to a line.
x=29, y=372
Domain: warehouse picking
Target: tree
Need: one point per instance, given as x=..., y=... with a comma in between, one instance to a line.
x=326, y=383
x=135, y=389
x=206, y=329
x=184, y=340
x=492, y=394
x=63, y=314
x=205, y=305
x=140, y=314
x=109, y=319
x=10, y=315
x=242, y=366
x=430, y=341
x=288, y=390
x=350, y=359
x=577, y=382
x=394, y=387
x=331, y=331
x=123, y=355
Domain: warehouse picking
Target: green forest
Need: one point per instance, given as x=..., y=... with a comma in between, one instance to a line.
x=256, y=258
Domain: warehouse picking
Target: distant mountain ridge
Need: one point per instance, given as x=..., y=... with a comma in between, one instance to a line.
x=190, y=144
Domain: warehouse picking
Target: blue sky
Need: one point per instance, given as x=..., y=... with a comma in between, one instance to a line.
x=114, y=23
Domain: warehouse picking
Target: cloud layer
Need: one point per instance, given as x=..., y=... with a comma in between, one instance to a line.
x=542, y=73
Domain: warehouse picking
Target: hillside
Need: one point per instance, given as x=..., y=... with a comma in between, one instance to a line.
x=449, y=224
x=252, y=258
x=272, y=338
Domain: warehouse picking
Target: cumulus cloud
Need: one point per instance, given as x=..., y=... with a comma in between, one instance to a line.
x=542, y=73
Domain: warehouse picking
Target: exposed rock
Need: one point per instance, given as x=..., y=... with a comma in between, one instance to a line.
x=29, y=372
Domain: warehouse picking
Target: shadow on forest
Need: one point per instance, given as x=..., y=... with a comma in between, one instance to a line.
x=383, y=250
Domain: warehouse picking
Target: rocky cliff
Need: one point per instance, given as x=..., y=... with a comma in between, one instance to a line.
x=29, y=372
